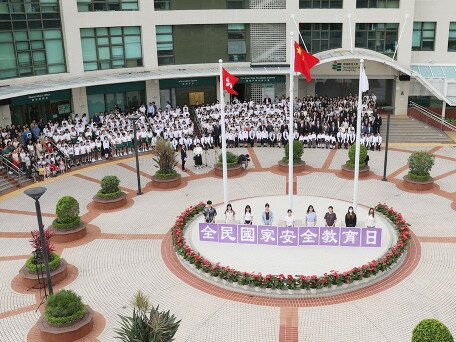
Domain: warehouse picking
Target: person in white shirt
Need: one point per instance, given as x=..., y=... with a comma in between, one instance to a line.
x=289, y=219
x=370, y=219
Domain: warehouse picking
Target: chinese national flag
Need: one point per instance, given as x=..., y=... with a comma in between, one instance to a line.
x=229, y=81
x=304, y=61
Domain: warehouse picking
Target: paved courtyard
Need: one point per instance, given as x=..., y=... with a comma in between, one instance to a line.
x=129, y=250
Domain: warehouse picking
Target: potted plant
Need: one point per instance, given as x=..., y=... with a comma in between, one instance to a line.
x=33, y=273
x=65, y=318
x=68, y=225
x=147, y=323
x=430, y=330
x=110, y=196
x=166, y=177
x=419, y=175
x=298, y=164
x=233, y=167
x=348, y=169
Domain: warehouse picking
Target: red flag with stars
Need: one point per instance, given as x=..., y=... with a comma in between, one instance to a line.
x=304, y=61
x=229, y=81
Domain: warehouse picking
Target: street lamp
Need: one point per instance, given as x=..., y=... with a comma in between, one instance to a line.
x=36, y=193
x=134, y=118
x=389, y=110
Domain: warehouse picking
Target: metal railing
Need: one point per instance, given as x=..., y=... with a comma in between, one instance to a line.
x=433, y=116
x=12, y=170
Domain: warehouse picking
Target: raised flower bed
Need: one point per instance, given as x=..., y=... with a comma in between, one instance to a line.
x=110, y=197
x=67, y=226
x=290, y=283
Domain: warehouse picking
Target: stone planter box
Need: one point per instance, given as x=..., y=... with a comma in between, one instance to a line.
x=297, y=168
x=232, y=170
x=30, y=280
x=69, y=235
x=67, y=333
x=169, y=183
x=110, y=204
x=347, y=172
x=416, y=185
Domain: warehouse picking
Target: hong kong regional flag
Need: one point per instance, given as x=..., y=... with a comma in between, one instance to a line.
x=304, y=61
x=229, y=81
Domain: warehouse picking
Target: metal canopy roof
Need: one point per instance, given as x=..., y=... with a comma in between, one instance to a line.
x=435, y=71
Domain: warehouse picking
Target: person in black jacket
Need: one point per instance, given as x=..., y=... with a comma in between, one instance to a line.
x=350, y=218
x=183, y=153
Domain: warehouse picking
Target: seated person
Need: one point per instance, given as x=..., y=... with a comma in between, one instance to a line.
x=243, y=160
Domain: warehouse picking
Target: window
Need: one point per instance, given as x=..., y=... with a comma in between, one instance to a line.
x=107, y=5
x=162, y=5
x=111, y=47
x=235, y=4
x=377, y=3
x=31, y=40
x=237, y=49
x=165, y=47
x=321, y=37
x=452, y=38
x=423, y=36
x=378, y=37
x=320, y=3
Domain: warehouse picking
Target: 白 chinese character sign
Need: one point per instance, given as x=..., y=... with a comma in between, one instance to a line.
x=291, y=236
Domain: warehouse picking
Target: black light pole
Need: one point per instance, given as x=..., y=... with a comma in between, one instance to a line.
x=134, y=118
x=389, y=110
x=36, y=193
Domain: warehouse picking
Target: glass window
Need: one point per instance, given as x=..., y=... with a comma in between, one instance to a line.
x=162, y=5
x=165, y=47
x=237, y=48
x=107, y=5
x=377, y=3
x=423, y=36
x=378, y=37
x=452, y=37
x=320, y=3
x=321, y=37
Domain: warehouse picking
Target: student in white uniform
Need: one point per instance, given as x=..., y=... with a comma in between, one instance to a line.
x=289, y=219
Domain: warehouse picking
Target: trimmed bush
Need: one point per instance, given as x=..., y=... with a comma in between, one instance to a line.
x=165, y=158
x=109, y=188
x=298, y=150
x=67, y=210
x=352, y=156
x=32, y=267
x=161, y=175
x=420, y=165
x=231, y=159
x=64, y=307
x=431, y=330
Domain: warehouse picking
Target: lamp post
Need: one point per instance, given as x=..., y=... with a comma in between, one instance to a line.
x=134, y=118
x=36, y=193
x=388, y=110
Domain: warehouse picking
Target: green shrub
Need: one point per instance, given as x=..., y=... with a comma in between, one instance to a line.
x=165, y=157
x=54, y=263
x=67, y=210
x=231, y=159
x=112, y=195
x=420, y=164
x=352, y=156
x=431, y=330
x=64, y=307
x=298, y=150
x=147, y=324
x=110, y=184
x=161, y=175
x=418, y=178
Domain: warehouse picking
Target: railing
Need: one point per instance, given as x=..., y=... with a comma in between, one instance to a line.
x=65, y=157
x=12, y=170
x=433, y=116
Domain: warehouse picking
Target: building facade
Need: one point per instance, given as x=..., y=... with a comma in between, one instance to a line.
x=85, y=56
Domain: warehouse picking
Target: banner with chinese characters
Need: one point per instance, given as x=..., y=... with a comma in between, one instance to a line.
x=290, y=236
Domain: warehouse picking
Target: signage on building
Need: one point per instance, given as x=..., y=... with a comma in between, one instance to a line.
x=186, y=82
x=262, y=79
x=346, y=66
x=64, y=109
x=42, y=97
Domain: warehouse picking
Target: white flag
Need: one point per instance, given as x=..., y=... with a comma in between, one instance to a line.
x=364, y=82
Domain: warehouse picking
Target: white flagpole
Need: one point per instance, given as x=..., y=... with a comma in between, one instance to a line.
x=351, y=34
x=400, y=36
x=222, y=110
x=291, y=124
x=358, y=136
x=299, y=32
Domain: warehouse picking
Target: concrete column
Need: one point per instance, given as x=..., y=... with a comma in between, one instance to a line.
x=79, y=101
x=5, y=116
x=401, y=96
x=153, y=92
x=72, y=37
x=306, y=88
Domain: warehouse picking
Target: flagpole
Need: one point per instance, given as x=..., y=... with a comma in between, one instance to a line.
x=299, y=32
x=400, y=36
x=222, y=110
x=358, y=136
x=291, y=125
x=351, y=34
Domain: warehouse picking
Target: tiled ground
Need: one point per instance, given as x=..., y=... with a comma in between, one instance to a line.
x=112, y=268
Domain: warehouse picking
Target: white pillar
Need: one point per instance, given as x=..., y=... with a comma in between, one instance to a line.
x=79, y=101
x=153, y=92
x=5, y=116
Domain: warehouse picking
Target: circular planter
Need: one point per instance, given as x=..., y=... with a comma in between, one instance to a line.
x=110, y=204
x=30, y=280
x=232, y=170
x=347, y=172
x=416, y=185
x=169, y=183
x=297, y=168
x=67, y=333
x=69, y=235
